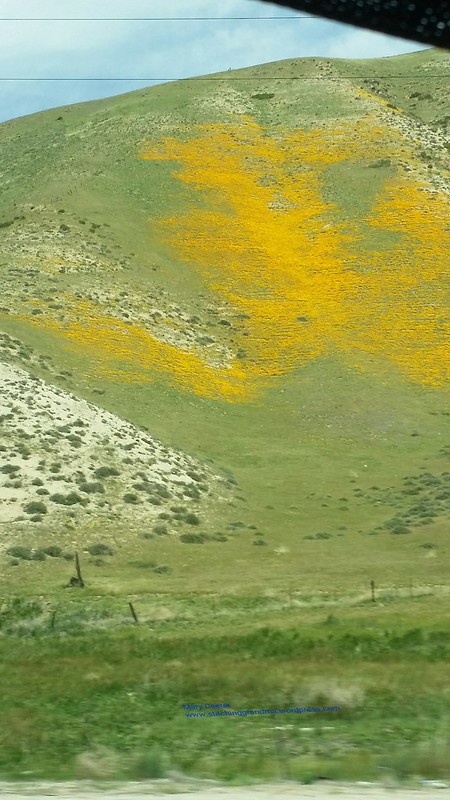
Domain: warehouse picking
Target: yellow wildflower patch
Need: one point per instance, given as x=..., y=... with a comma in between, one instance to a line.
x=131, y=354
x=300, y=272
x=271, y=246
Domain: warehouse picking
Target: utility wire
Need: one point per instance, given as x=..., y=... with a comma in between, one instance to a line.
x=146, y=19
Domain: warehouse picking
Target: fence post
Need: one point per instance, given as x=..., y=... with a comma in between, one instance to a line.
x=133, y=613
x=78, y=569
x=372, y=591
x=78, y=581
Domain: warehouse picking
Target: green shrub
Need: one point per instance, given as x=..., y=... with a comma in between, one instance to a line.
x=36, y=518
x=52, y=550
x=192, y=519
x=8, y=469
x=381, y=162
x=38, y=555
x=195, y=475
x=160, y=530
x=35, y=507
x=74, y=440
x=192, y=492
x=263, y=96
x=141, y=487
x=100, y=550
x=67, y=499
x=106, y=472
x=17, y=551
x=129, y=497
x=400, y=529
x=37, y=482
x=192, y=538
x=42, y=491
x=92, y=487
x=163, y=491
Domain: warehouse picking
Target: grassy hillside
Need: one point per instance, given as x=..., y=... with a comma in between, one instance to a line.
x=239, y=285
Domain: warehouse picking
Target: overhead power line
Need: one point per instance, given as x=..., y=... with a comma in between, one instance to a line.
x=148, y=19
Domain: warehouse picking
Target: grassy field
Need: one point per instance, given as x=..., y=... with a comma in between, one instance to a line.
x=98, y=696
x=255, y=273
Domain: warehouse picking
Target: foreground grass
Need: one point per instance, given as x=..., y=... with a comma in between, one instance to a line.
x=81, y=699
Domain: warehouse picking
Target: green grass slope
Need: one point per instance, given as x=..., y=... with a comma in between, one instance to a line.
x=250, y=268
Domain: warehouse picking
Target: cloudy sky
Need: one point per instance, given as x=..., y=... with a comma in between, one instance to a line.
x=119, y=56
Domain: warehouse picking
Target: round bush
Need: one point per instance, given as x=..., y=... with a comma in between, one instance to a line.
x=400, y=529
x=52, y=550
x=35, y=507
x=92, y=487
x=192, y=492
x=192, y=538
x=106, y=472
x=8, y=469
x=161, y=530
x=192, y=519
x=130, y=498
x=100, y=550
